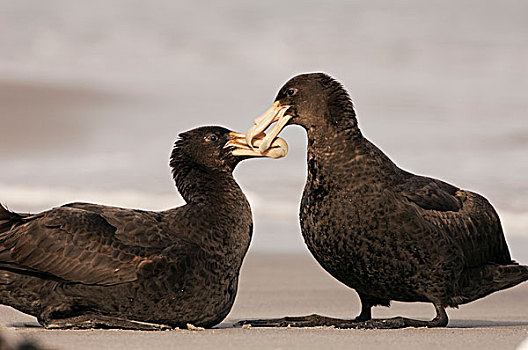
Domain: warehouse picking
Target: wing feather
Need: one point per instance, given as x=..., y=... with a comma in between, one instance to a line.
x=71, y=244
x=430, y=194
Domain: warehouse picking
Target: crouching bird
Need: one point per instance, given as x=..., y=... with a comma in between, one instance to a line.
x=94, y=266
x=385, y=232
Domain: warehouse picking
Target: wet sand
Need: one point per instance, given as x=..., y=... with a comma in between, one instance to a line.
x=278, y=285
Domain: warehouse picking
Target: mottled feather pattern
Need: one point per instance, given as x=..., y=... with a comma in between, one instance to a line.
x=86, y=265
x=81, y=244
x=388, y=233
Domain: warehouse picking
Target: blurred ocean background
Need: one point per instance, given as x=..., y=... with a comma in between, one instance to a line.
x=93, y=95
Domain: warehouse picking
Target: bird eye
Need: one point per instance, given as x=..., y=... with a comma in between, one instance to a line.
x=291, y=92
x=213, y=137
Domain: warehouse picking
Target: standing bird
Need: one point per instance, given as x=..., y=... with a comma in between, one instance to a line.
x=92, y=266
x=385, y=232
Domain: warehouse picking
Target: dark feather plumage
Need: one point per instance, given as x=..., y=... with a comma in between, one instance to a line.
x=86, y=265
x=387, y=233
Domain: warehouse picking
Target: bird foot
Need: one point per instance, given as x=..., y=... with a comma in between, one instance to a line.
x=392, y=323
x=322, y=321
x=91, y=321
x=292, y=321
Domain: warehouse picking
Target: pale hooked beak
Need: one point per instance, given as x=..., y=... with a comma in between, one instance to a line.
x=277, y=149
x=277, y=114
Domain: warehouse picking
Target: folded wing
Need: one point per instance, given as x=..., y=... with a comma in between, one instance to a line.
x=71, y=245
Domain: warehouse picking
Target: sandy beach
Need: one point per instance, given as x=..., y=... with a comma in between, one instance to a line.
x=278, y=285
x=93, y=95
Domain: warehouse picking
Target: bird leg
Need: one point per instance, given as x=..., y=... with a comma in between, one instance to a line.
x=366, y=313
x=315, y=320
x=440, y=320
x=88, y=321
x=311, y=320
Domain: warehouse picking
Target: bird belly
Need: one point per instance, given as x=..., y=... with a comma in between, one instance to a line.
x=355, y=246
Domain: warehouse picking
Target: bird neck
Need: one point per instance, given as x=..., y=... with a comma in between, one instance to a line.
x=215, y=196
x=197, y=183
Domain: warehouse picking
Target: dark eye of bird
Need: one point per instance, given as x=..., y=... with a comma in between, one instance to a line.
x=291, y=92
x=213, y=137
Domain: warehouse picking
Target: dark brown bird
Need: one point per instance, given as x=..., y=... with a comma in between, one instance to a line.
x=92, y=266
x=387, y=233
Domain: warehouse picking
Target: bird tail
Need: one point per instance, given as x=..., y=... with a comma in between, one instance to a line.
x=478, y=282
x=9, y=219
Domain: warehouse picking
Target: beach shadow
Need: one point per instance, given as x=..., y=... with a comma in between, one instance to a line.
x=461, y=324
x=453, y=324
x=24, y=325
x=226, y=325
